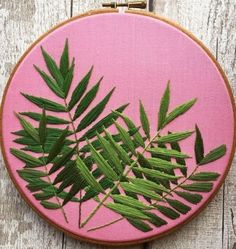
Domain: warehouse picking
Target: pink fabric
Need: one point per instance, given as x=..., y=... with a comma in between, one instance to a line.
x=138, y=55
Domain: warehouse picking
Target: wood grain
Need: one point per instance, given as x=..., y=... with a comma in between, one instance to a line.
x=213, y=22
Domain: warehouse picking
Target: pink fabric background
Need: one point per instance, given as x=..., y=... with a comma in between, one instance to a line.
x=138, y=55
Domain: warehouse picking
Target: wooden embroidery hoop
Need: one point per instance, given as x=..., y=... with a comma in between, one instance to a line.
x=163, y=19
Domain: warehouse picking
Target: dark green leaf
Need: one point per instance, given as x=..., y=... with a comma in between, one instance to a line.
x=45, y=103
x=64, y=60
x=42, y=128
x=198, y=187
x=179, y=206
x=140, y=225
x=68, y=79
x=50, y=82
x=80, y=90
x=213, y=155
x=192, y=198
x=205, y=176
x=31, y=173
x=105, y=122
x=94, y=113
x=144, y=120
x=180, y=110
x=30, y=160
x=198, y=146
x=50, y=119
x=168, y=212
x=86, y=100
x=57, y=146
x=174, y=137
x=53, y=68
x=164, y=106
x=155, y=220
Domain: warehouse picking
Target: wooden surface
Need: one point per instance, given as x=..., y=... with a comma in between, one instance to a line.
x=212, y=21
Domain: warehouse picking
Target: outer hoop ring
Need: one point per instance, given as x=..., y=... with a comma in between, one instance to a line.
x=163, y=19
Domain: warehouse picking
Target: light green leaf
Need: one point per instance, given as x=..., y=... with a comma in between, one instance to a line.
x=163, y=164
x=213, y=155
x=64, y=60
x=50, y=119
x=127, y=211
x=28, y=159
x=179, y=206
x=50, y=205
x=144, y=120
x=125, y=137
x=205, y=176
x=164, y=106
x=130, y=201
x=174, y=137
x=53, y=68
x=50, y=82
x=57, y=146
x=45, y=103
x=42, y=129
x=89, y=178
x=168, y=152
x=178, y=111
x=130, y=187
x=102, y=164
x=198, y=187
x=105, y=122
x=198, y=146
x=192, y=198
x=95, y=112
x=80, y=89
x=87, y=100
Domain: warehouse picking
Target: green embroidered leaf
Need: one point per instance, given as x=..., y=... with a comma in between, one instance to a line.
x=80, y=90
x=111, y=153
x=140, y=225
x=137, y=136
x=155, y=220
x=157, y=174
x=163, y=164
x=53, y=68
x=130, y=201
x=50, y=82
x=31, y=173
x=28, y=128
x=69, y=170
x=95, y=112
x=50, y=119
x=198, y=187
x=125, y=138
x=192, y=198
x=119, y=150
x=174, y=137
x=28, y=159
x=64, y=60
x=61, y=161
x=103, y=164
x=68, y=78
x=147, y=184
x=205, y=176
x=57, y=146
x=42, y=129
x=130, y=187
x=37, y=184
x=164, y=106
x=127, y=211
x=213, y=155
x=50, y=205
x=180, y=110
x=87, y=100
x=105, y=122
x=198, y=146
x=89, y=178
x=168, y=212
x=45, y=103
x=144, y=120
x=179, y=206
x=168, y=152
